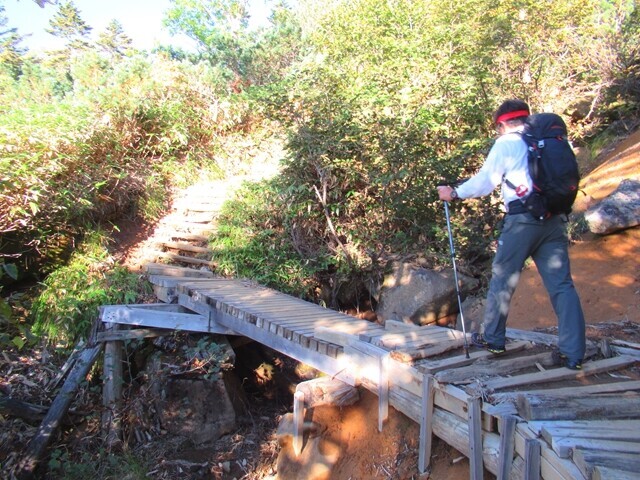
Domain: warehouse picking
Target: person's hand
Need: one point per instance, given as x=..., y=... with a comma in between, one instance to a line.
x=444, y=192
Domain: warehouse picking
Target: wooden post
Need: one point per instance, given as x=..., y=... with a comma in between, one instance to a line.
x=112, y=389
x=507, y=442
x=475, y=437
x=531, y=459
x=426, y=424
x=298, y=422
x=383, y=391
x=327, y=391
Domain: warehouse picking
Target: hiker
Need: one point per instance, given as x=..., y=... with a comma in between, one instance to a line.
x=522, y=236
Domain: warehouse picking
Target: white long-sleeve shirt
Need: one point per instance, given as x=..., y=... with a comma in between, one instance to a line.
x=507, y=159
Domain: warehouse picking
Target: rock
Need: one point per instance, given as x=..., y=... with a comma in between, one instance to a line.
x=473, y=311
x=618, y=211
x=416, y=295
x=199, y=408
x=318, y=456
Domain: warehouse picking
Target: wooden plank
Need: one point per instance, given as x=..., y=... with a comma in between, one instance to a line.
x=135, y=334
x=455, y=432
x=164, y=269
x=607, y=473
x=534, y=337
x=571, y=391
x=190, y=322
x=559, y=374
x=186, y=247
x=532, y=459
x=340, y=367
x=112, y=388
x=298, y=422
x=397, y=326
x=431, y=351
x=383, y=391
x=536, y=427
x=497, y=365
x=568, y=408
x=627, y=431
x=552, y=467
x=587, y=460
x=327, y=391
x=435, y=366
x=426, y=424
x=475, y=438
x=330, y=335
x=507, y=446
x=413, y=338
x=174, y=281
x=565, y=447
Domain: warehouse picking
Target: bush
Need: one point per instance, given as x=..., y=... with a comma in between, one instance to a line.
x=67, y=305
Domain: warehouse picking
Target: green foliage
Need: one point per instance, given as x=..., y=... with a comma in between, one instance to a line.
x=206, y=358
x=218, y=26
x=90, y=153
x=251, y=242
x=67, y=306
x=69, y=25
x=113, y=40
x=105, y=465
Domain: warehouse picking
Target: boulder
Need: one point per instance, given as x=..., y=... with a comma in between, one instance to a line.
x=417, y=295
x=473, y=312
x=199, y=407
x=618, y=211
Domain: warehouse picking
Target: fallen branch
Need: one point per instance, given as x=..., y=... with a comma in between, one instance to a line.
x=37, y=446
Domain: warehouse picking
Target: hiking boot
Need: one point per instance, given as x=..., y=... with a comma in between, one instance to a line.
x=570, y=364
x=478, y=340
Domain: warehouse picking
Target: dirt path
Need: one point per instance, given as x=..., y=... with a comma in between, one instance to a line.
x=605, y=269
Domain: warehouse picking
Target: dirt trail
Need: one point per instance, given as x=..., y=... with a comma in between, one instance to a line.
x=605, y=269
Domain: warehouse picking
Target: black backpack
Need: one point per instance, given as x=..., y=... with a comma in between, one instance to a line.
x=552, y=166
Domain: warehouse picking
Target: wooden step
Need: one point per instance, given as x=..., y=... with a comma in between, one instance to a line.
x=186, y=247
x=184, y=259
x=175, y=271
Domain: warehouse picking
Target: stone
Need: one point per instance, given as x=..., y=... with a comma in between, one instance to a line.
x=618, y=211
x=200, y=408
x=417, y=295
x=473, y=312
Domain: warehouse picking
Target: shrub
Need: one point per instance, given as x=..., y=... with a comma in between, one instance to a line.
x=67, y=305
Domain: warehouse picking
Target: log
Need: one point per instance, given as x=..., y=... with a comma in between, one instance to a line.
x=38, y=444
x=17, y=408
x=605, y=407
x=328, y=391
x=67, y=366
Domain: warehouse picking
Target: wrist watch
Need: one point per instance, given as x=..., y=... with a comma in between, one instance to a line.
x=454, y=194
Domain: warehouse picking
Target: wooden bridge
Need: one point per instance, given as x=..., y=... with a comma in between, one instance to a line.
x=519, y=415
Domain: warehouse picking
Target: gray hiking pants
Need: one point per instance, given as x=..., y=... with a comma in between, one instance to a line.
x=546, y=242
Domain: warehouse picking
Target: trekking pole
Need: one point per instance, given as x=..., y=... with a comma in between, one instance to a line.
x=455, y=277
